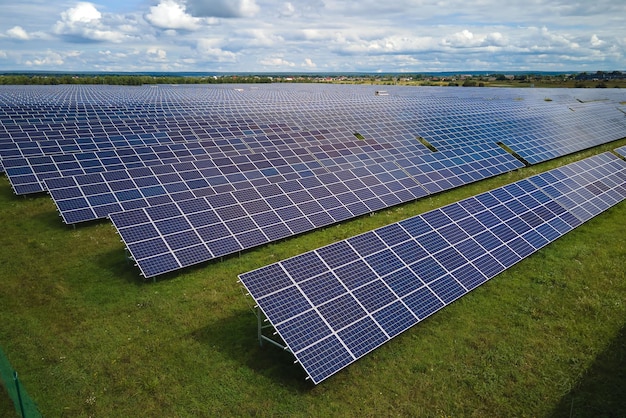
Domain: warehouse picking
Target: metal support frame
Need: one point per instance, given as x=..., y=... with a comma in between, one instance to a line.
x=260, y=327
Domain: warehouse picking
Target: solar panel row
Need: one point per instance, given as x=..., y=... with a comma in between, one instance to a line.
x=28, y=175
x=93, y=196
x=621, y=151
x=250, y=216
x=444, y=118
x=536, y=137
x=106, y=149
x=335, y=304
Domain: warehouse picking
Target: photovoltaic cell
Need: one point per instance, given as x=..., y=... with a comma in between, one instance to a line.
x=363, y=291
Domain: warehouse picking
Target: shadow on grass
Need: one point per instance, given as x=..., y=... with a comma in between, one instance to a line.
x=269, y=361
x=120, y=267
x=601, y=391
x=52, y=221
x=6, y=403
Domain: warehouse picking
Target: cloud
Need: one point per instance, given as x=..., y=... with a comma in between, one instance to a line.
x=467, y=39
x=265, y=38
x=51, y=58
x=276, y=62
x=82, y=13
x=17, y=32
x=384, y=46
x=223, y=8
x=287, y=10
x=83, y=23
x=168, y=14
x=209, y=51
x=156, y=54
x=462, y=39
x=595, y=41
x=328, y=35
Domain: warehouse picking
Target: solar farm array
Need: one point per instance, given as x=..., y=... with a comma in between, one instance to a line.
x=335, y=304
x=191, y=173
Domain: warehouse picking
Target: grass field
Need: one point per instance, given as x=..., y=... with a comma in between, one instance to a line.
x=90, y=338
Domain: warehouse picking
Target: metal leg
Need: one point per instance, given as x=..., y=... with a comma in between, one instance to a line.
x=261, y=327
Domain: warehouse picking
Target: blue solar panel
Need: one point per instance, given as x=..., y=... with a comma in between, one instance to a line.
x=28, y=174
x=344, y=300
x=275, y=213
x=176, y=182
x=80, y=131
x=621, y=151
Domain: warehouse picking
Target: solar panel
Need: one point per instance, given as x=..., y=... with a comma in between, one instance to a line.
x=93, y=196
x=269, y=212
x=66, y=118
x=335, y=304
x=28, y=174
x=621, y=151
x=104, y=149
x=58, y=146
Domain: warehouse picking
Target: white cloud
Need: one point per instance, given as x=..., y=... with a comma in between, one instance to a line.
x=17, y=32
x=276, y=62
x=495, y=38
x=329, y=35
x=49, y=58
x=467, y=39
x=110, y=54
x=385, y=46
x=157, y=54
x=595, y=41
x=168, y=14
x=209, y=51
x=84, y=23
x=287, y=10
x=223, y=8
x=259, y=38
x=82, y=13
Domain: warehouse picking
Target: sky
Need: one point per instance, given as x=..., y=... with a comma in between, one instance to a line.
x=301, y=36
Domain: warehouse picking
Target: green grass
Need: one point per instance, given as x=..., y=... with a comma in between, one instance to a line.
x=90, y=338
